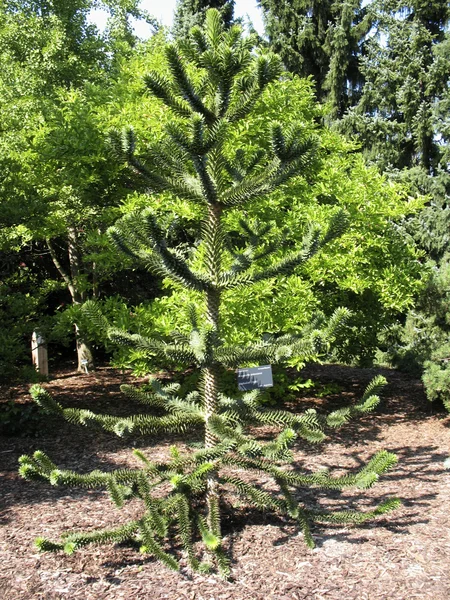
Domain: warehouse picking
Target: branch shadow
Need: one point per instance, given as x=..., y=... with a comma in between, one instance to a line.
x=403, y=399
x=416, y=469
x=84, y=450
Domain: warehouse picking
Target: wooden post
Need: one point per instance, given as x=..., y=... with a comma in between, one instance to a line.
x=39, y=353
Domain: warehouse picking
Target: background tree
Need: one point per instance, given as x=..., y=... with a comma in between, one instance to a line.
x=402, y=122
x=197, y=160
x=189, y=13
x=322, y=40
x=406, y=74
x=393, y=100
x=58, y=184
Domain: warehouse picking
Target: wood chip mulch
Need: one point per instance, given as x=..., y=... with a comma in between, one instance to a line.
x=402, y=556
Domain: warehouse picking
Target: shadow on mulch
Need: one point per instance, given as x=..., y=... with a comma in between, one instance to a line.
x=73, y=448
x=83, y=449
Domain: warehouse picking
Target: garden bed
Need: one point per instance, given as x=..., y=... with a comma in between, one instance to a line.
x=403, y=555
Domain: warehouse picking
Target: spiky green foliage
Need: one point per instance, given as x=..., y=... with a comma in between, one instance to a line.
x=215, y=80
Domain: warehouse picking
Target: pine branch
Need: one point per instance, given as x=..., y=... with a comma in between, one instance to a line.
x=144, y=424
x=234, y=357
x=72, y=542
x=182, y=407
x=259, y=498
x=353, y=516
x=92, y=311
x=185, y=86
x=244, y=99
x=159, y=523
x=208, y=185
x=337, y=226
x=205, y=455
x=336, y=322
x=213, y=237
x=250, y=88
x=374, y=387
x=157, y=400
x=271, y=350
x=216, y=165
x=279, y=448
x=161, y=87
x=219, y=427
x=185, y=529
x=44, y=400
x=183, y=184
x=78, y=540
x=250, y=188
x=185, y=277
x=304, y=525
x=173, y=352
x=150, y=467
x=151, y=546
x=368, y=403
x=287, y=265
x=176, y=267
x=211, y=541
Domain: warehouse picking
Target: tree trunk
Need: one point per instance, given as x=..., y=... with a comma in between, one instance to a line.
x=211, y=373
x=84, y=352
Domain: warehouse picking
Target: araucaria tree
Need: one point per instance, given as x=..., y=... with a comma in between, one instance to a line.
x=216, y=79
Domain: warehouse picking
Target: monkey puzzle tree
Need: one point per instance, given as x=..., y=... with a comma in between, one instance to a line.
x=215, y=81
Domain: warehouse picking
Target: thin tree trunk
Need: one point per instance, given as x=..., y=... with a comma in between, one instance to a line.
x=84, y=353
x=211, y=373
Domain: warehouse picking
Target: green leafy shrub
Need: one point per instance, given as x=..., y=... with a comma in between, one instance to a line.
x=420, y=346
x=20, y=419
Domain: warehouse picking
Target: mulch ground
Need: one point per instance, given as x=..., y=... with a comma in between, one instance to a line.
x=404, y=555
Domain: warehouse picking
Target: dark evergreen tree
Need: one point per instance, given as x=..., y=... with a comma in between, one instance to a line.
x=323, y=40
x=189, y=13
x=198, y=161
x=402, y=122
x=405, y=75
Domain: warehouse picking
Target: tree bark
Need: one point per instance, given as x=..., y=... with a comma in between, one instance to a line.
x=85, y=357
x=211, y=373
x=84, y=351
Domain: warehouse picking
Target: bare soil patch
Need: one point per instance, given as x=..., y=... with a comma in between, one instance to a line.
x=405, y=555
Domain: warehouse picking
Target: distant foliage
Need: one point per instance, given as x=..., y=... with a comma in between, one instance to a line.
x=323, y=40
x=191, y=13
x=18, y=419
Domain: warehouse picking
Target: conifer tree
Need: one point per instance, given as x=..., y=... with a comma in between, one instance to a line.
x=215, y=79
x=402, y=122
x=406, y=75
x=323, y=40
x=189, y=13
